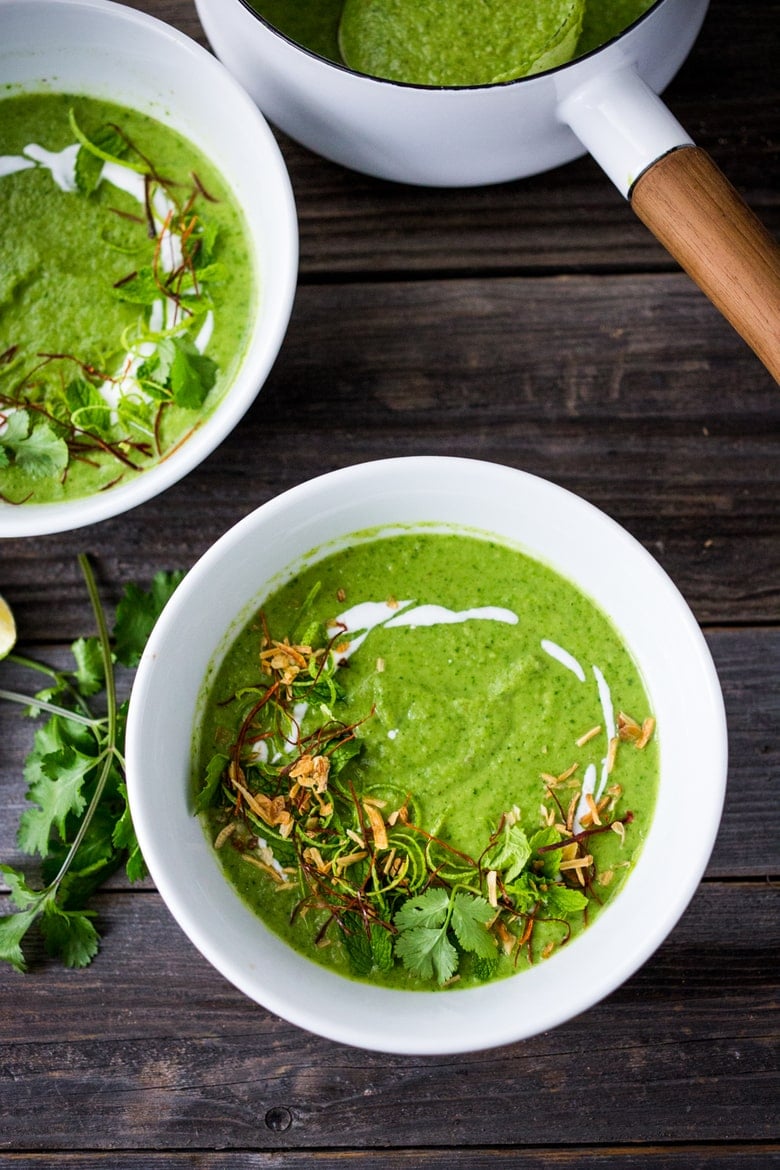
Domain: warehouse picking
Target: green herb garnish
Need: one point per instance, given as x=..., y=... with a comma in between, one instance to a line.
x=57, y=408
x=77, y=819
x=357, y=863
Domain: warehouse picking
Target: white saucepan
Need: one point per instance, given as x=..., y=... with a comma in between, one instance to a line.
x=605, y=103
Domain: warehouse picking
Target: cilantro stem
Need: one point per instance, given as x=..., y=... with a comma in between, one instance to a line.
x=110, y=751
x=52, y=708
x=32, y=664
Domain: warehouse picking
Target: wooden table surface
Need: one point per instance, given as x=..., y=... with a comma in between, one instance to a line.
x=534, y=324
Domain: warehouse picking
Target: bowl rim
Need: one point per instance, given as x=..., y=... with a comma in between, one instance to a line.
x=430, y=1023
x=272, y=313
x=342, y=67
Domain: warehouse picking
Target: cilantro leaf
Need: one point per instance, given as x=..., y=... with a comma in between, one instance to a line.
x=422, y=943
x=136, y=614
x=69, y=934
x=16, y=428
x=154, y=373
x=470, y=916
x=56, y=794
x=89, y=672
x=21, y=893
x=123, y=837
x=427, y=952
x=78, y=817
x=13, y=928
x=37, y=450
x=428, y=909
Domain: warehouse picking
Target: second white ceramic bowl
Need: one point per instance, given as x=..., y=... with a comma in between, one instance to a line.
x=105, y=50
x=230, y=582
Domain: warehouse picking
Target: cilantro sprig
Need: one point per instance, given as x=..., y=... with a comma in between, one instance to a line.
x=77, y=819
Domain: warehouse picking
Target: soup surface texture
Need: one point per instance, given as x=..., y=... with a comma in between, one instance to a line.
x=450, y=42
x=428, y=760
x=125, y=294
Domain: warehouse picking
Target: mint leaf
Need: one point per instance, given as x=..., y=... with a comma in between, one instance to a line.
x=139, y=287
x=510, y=853
x=214, y=772
x=136, y=614
x=546, y=864
x=470, y=916
x=485, y=969
x=89, y=166
x=564, y=901
x=192, y=375
x=524, y=892
x=381, y=948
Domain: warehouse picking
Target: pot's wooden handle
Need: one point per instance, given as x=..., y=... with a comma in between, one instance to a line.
x=689, y=204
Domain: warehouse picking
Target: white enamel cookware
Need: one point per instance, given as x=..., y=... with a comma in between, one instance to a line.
x=605, y=103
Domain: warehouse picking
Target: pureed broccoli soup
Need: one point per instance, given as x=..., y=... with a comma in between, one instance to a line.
x=427, y=761
x=450, y=42
x=126, y=294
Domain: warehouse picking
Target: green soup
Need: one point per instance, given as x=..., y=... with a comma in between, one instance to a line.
x=427, y=761
x=126, y=294
x=450, y=42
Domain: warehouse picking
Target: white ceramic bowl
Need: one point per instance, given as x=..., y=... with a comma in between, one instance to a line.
x=231, y=581
x=105, y=50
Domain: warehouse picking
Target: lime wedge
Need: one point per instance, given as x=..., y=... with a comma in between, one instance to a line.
x=7, y=629
x=458, y=42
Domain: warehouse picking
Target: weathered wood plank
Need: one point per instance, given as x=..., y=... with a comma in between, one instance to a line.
x=174, y=1058
x=748, y=663
x=571, y=218
x=629, y=401
x=689, y=1157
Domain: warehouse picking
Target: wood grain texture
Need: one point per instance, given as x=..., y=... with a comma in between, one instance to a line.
x=659, y=1157
x=181, y=1060
x=726, y=95
x=537, y=324
x=642, y=399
